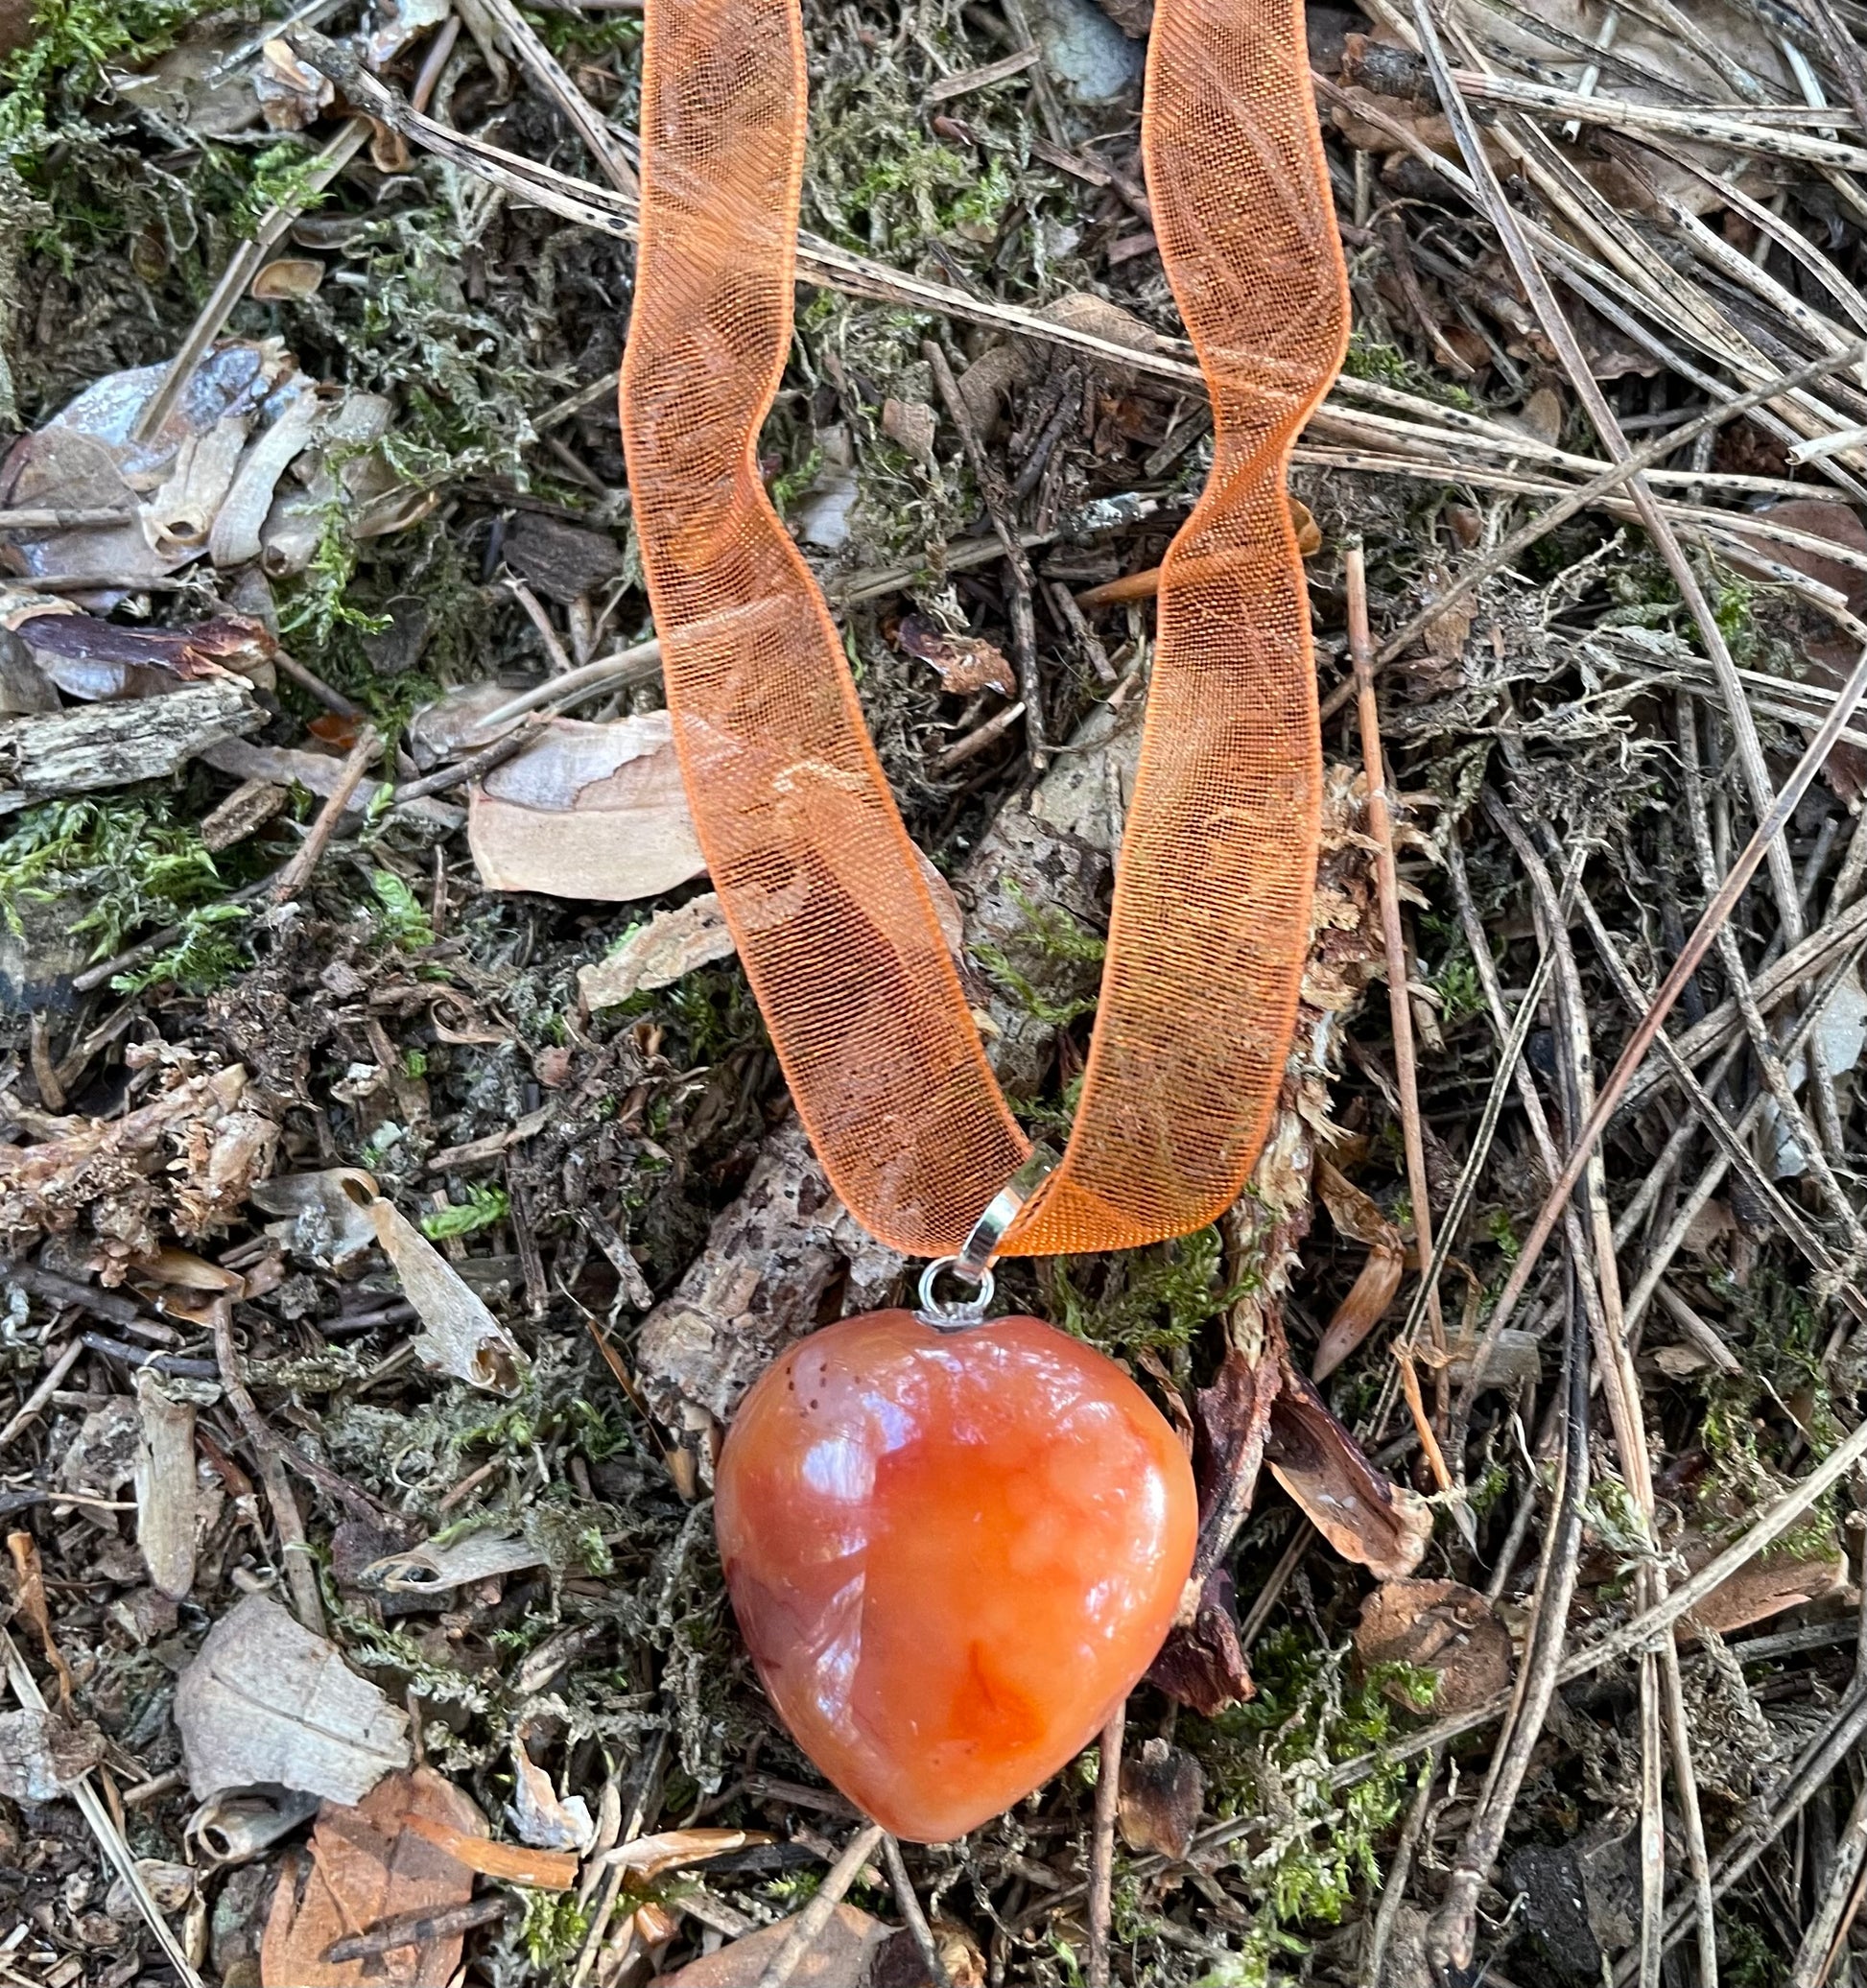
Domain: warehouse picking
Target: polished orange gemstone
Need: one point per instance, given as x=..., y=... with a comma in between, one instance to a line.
x=951, y=1556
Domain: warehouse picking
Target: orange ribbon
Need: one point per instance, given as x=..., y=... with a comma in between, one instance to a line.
x=815, y=872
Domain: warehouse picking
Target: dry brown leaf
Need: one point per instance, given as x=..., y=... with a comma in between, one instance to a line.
x=590, y=811
x=841, y=1957
x=369, y=1863
x=1764, y=1586
x=544, y=1870
x=1161, y=1794
x=93, y=660
x=671, y=944
x=1356, y=1217
x=966, y=663
x=43, y=1754
x=1437, y=1625
x=266, y=1700
x=458, y=1336
x=1383, y=1526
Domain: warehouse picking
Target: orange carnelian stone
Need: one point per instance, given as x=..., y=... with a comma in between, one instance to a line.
x=951, y=1556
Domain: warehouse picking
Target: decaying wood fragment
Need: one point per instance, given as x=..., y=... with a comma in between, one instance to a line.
x=47, y=754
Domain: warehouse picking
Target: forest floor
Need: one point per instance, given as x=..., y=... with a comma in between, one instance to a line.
x=397, y=1186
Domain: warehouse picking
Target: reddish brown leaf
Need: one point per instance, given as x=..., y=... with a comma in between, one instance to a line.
x=1437, y=1625
x=368, y=1864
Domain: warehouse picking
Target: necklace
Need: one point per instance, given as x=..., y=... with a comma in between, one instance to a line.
x=953, y=1546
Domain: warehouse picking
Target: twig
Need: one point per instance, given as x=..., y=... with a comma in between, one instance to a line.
x=1561, y=334
x=533, y=53
x=1686, y=1792
x=62, y=1365
x=1102, y=1846
x=996, y=500
x=1380, y=827
x=1450, y=1933
x=149, y=1356
x=1393, y=1890
x=815, y=1916
x=915, y=1919
x=297, y=873
x=1768, y=829
x=413, y=1929
x=295, y=1549
x=1648, y=456
x=980, y=736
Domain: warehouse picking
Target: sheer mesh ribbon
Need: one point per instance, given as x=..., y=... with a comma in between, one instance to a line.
x=816, y=876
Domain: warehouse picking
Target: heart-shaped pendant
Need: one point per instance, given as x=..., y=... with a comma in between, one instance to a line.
x=951, y=1556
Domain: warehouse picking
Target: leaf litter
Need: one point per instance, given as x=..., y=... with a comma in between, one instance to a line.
x=475, y=1132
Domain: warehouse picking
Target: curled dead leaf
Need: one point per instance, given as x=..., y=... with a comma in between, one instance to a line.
x=1356, y=1217
x=1383, y=1527
x=1161, y=1794
x=966, y=663
x=458, y=1336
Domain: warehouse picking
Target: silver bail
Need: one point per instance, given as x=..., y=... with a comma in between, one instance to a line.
x=973, y=1264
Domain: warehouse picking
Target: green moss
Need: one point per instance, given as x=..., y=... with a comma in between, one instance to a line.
x=483, y=1207
x=130, y=860
x=1048, y=936
x=1373, y=359
x=1157, y=1298
x=64, y=63
x=401, y=918
x=1271, y=1759
x=554, y=1929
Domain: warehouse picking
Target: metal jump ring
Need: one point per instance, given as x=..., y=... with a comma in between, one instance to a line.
x=958, y=1316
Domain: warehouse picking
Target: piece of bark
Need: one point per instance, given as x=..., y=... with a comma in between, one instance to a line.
x=671, y=944
x=165, y=1486
x=368, y=1864
x=562, y=561
x=48, y=754
x=266, y=1700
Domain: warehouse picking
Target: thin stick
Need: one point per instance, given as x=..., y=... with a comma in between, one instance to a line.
x=1102, y=1846
x=295, y=1549
x=1450, y=1933
x=1768, y=829
x=297, y=873
x=1393, y=1890
x=815, y=1916
x=998, y=504
x=1557, y=328
x=1381, y=826
x=1648, y=456
x=1686, y=1790
x=915, y=1919
x=48, y=1386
